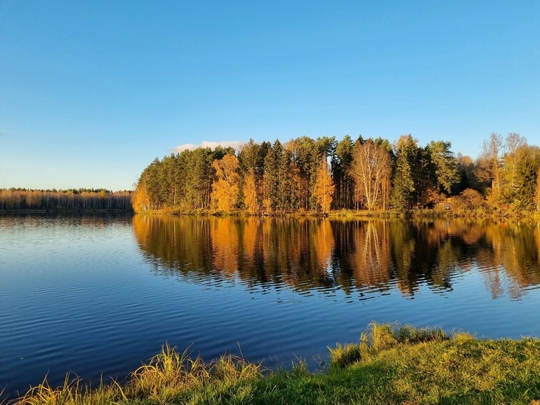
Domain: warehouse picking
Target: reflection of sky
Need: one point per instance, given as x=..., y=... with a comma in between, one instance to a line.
x=81, y=297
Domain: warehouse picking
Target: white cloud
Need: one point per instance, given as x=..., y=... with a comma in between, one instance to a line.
x=209, y=144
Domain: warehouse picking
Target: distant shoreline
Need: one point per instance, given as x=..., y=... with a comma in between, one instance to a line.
x=64, y=210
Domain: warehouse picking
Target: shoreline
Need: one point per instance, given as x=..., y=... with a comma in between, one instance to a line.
x=65, y=210
x=389, y=364
x=356, y=214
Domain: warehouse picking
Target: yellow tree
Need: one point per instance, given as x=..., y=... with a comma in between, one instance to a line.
x=225, y=187
x=324, y=187
x=140, y=199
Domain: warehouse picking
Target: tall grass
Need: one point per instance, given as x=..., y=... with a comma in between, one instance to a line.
x=166, y=378
x=72, y=392
x=380, y=337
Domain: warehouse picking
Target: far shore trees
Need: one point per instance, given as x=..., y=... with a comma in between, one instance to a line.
x=73, y=199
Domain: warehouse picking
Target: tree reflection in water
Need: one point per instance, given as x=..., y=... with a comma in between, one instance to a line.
x=355, y=256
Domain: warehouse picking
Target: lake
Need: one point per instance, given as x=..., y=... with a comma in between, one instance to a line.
x=101, y=294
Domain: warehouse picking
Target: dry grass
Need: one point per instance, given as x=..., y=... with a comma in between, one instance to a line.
x=166, y=378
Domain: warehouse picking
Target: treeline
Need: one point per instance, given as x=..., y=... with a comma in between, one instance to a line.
x=74, y=199
x=317, y=175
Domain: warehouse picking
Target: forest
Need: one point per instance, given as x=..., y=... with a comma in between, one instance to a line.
x=323, y=174
x=74, y=199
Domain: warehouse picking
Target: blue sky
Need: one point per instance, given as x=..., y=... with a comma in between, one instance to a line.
x=92, y=91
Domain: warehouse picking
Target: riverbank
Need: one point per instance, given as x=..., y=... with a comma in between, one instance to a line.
x=389, y=365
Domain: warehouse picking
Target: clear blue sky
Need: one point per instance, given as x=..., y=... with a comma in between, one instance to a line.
x=92, y=91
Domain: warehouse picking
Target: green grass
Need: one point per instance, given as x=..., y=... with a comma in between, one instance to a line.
x=389, y=365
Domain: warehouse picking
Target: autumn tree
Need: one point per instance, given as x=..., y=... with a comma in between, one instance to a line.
x=141, y=198
x=470, y=199
x=371, y=170
x=324, y=187
x=225, y=186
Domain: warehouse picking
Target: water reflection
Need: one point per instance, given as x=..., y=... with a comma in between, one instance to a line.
x=358, y=257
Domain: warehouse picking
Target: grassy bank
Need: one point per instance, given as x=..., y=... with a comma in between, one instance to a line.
x=387, y=366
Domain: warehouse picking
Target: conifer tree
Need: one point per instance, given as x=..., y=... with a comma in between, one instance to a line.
x=403, y=181
x=251, y=203
x=444, y=164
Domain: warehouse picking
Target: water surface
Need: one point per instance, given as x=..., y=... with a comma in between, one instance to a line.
x=99, y=294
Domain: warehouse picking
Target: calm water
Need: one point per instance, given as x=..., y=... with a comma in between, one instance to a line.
x=99, y=295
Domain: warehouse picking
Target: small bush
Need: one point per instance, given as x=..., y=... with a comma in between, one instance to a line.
x=344, y=355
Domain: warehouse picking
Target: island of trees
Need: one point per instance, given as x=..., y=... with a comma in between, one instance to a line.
x=323, y=174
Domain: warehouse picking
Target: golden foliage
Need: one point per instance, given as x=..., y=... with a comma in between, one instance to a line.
x=225, y=187
x=324, y=187
x=140, y=198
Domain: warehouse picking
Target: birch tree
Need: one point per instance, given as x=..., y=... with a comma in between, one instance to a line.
x=370, y=170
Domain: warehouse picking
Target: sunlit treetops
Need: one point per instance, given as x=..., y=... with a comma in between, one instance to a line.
x=318, y=175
